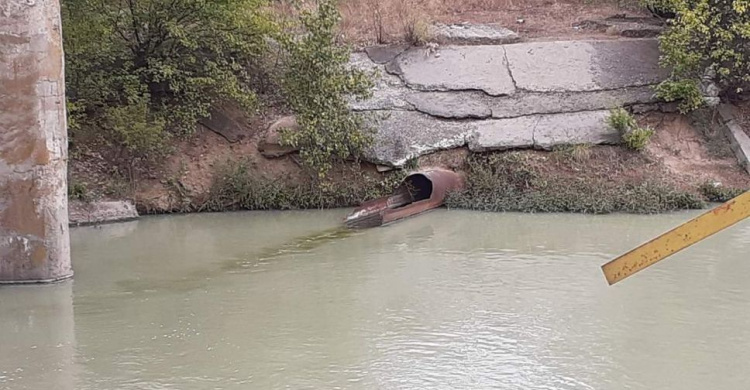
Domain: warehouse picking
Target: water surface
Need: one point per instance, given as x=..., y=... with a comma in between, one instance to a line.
x=448, y=300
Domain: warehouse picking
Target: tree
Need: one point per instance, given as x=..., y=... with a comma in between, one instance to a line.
x=709, y=40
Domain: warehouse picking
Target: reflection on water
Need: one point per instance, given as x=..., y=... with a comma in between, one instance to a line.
x=443, y=301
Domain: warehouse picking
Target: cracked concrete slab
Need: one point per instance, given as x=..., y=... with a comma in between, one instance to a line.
x=584, y=66
x=550, y=103
x=455, y=68
x=573, y=128
x=464, y=105
x=503, y=134
x=403, y=135
x=456, y=96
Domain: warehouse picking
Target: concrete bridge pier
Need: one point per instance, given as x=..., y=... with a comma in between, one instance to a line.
x=34, y=241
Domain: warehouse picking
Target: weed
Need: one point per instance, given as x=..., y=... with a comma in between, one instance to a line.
x=79, y=191
x=637, y=138
x=621, y=120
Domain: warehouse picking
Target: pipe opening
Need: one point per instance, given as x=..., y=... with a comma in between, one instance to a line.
x=419, y=186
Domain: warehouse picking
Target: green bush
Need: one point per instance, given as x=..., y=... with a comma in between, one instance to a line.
x=707, y=37
x=317, y=84
x=140, y=70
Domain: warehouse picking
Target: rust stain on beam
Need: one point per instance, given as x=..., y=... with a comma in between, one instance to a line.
x=678, y=239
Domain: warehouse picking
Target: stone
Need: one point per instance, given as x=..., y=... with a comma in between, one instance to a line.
x=403, y=135
x=34, y=235
x=455, y=105
x=576, y=66
x=270, y=146
x=621, y=25
x=503, y=134
x=221, y=124
x=385, y=54
x=458, y=68
x=473, y=34
x=588, y=127
x=83, y=213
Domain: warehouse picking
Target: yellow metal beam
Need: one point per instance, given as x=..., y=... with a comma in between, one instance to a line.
x=678, y=239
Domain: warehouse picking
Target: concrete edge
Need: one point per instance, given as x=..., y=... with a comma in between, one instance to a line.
x=739, y=140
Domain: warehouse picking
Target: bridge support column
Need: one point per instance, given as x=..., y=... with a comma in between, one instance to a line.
x=34, y=242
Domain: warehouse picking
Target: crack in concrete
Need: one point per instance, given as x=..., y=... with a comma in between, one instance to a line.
x=507, y=67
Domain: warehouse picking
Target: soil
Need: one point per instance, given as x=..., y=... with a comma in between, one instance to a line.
x=531, y=19
x=683, y=149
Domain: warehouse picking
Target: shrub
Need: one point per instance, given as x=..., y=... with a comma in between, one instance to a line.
x=708, y=37
x=140, y=70
x=317, y=83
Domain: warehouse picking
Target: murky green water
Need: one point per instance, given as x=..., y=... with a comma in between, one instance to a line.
x=449, y=300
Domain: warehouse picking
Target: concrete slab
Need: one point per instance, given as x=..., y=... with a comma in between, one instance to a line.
x=588, y=127
x=503, y=134
x=584, y=66
x=403, y=135
x=558, y=102
x=457, y=105
x=455, y=68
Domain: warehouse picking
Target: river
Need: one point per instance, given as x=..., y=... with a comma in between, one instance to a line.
x=447, y=300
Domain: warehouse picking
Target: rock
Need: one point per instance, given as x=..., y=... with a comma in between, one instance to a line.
x=385, y=54
x=224, y=126
x=83, y=213
x=451, y=105
x=588, y=127
x=473, y=34
x=270, y=146
x=458, y=68
x=630, y=27
x=577, y=66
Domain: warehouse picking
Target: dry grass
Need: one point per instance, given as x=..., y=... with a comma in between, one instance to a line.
x=387, y=21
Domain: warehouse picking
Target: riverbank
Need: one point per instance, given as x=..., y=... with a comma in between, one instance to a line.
x=526, y=122
x=209, y=173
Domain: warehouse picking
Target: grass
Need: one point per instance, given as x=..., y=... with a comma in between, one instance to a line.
x=715, y=192
x=508, y=182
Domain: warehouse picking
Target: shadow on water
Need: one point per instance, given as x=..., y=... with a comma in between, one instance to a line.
x=298, y=245
x=200, y=278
